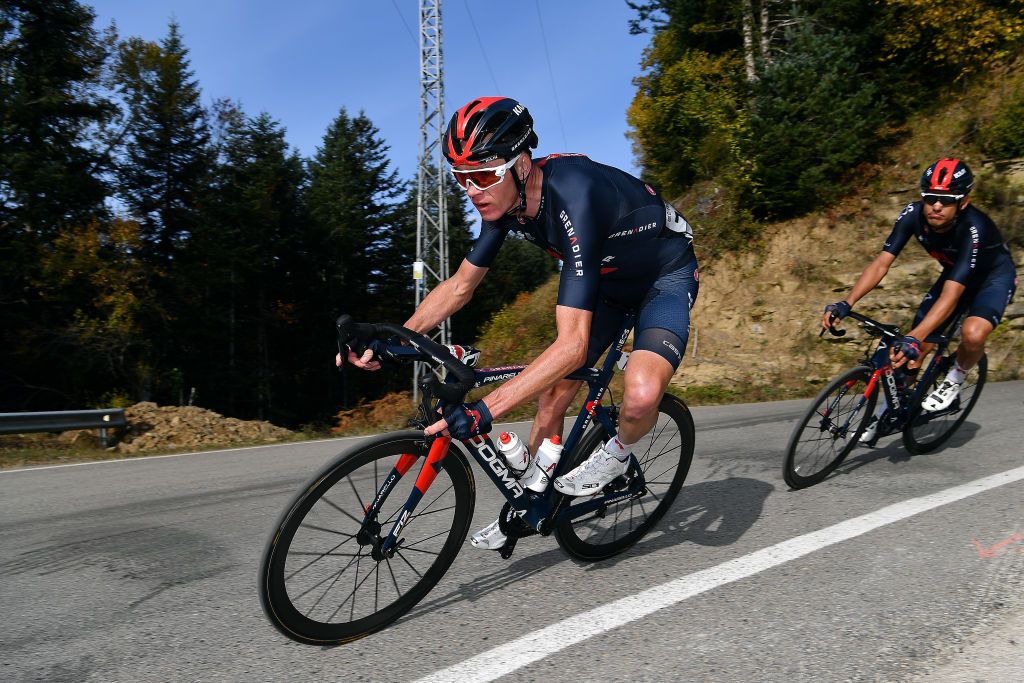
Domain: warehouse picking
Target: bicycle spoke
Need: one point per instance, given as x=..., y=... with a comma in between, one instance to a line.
x=344, y=512
x=312, y=562
x=326, y=530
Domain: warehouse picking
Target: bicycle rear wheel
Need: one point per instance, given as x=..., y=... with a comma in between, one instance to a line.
x=926, y=431
x=664, y=455
x=830, y=429
x=319, y=582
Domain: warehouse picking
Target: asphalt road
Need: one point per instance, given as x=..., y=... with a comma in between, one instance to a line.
x=145, y=570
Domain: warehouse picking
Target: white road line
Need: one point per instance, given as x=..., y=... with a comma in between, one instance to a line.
x=533, y=647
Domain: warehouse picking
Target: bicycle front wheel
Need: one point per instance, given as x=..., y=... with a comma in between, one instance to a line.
x=830, y=429
x=319, y=580
x=664, y=455
x=926, y=431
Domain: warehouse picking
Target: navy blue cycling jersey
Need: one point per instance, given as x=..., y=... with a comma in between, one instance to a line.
x=968, y=252
x=613, y=232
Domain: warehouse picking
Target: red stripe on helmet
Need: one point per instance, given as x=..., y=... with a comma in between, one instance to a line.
x=942, y=176
x=462, y=117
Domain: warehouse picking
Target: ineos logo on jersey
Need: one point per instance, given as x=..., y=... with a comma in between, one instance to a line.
x=574, y=243
x=633, y=231
x=975, y=245
x=518, y=109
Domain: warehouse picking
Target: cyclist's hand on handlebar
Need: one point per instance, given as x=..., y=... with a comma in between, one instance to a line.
x=463, y=421
x=906, y=348
x=834, y=313
x=364, y=362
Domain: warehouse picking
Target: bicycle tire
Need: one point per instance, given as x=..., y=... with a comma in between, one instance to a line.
x=664, y=455
x=926, y=432
x=822, y=439
x=329, y=509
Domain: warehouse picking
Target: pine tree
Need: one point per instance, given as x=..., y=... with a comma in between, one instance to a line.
x=246, y=280
x=352, y=203
x=52, y=171
x=167, y=153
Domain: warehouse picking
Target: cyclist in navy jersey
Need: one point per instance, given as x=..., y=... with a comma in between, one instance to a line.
x=978, y=276
x=621, y=246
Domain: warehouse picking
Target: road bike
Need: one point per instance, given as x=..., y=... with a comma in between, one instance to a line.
x=367, y=537
x=835, y=421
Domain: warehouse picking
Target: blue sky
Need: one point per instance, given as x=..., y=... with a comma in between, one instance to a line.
x=302, y=61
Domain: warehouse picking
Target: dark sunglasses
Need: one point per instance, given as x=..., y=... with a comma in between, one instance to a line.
x=944, y=199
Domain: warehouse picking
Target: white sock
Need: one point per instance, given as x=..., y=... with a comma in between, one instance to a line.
x=618, y=449
x=882, y=405
x=956, y=374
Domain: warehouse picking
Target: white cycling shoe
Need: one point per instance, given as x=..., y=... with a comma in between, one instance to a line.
x=869, y=432
x=593, y=475
x=941, y=398
x=489, y=538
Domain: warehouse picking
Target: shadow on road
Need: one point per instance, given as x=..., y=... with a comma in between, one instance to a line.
x=711, y=513
x=896, y=453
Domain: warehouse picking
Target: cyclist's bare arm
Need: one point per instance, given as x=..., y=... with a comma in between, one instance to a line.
x=567, y=353
x=868, y=280
x=447, y=297
x=442, y=301
x=940, y=310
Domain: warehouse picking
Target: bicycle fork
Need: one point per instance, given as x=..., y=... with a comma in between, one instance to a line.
x=369, y=533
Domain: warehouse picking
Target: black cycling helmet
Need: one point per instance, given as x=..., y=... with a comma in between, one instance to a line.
x=486, y=129
x=949, y=176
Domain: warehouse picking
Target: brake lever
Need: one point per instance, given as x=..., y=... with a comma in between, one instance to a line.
x=832, y=329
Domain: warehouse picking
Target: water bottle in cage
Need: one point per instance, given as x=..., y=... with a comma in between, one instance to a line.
x=548, y=454
x=515, y=453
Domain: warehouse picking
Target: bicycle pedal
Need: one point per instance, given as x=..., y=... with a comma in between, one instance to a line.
x=506, y=550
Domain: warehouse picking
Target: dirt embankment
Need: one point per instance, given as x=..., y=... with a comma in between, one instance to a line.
x=152, y=427
x=163, y=428
x=757, y=318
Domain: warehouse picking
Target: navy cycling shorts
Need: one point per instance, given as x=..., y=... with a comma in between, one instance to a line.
x=987, y=300
x=663, y=323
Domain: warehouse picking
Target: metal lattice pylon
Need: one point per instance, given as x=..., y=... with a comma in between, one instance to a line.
x=431, y=266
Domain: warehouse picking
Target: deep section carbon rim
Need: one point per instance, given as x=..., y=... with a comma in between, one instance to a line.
x=320, y=580
x=664, y=455
x=926, y=431
x=830, y=429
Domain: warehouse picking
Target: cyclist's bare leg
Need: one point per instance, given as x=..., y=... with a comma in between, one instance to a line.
x=973, y=334
x=647, y=376
x=551, y=407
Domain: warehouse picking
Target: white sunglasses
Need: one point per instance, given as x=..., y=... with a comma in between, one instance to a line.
x=482, y=178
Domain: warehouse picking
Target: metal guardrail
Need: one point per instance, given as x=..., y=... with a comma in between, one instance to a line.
x=63, y=420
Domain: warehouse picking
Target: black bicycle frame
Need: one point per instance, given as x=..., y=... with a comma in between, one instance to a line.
x=539, y=510
x=900, y=401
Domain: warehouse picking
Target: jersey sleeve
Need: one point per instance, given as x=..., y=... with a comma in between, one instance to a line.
x=485, y=248
x=903, y=230
x=588, y=203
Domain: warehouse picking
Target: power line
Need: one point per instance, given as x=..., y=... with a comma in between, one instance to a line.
x=551, y=74
x=487, y=62
x=408, y=30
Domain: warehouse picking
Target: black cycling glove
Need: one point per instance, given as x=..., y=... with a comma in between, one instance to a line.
x=910, y=347
x=839, y=309
x=466, y=420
